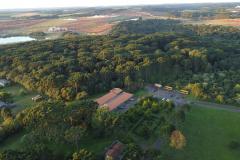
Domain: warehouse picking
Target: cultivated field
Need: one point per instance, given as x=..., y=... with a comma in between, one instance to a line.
x=11, y=25
x=81, y=22
x=224, y=22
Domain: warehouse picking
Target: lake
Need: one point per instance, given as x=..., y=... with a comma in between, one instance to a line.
x=17, y=39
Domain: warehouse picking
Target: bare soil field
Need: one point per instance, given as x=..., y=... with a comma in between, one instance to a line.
x=90, y=25
x=224, y=22
x=44, y=25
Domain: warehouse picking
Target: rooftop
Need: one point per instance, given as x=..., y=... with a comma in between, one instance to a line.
x=114, y=98
x=115, y=150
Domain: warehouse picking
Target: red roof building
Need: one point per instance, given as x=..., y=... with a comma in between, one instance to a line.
x=115, y=98
x=115, y=151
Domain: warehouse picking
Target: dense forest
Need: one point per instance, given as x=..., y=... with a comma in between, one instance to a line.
x=203, y=59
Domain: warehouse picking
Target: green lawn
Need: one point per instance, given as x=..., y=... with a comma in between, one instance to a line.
x=13, y=142
x=22, y=101
x=208, y=133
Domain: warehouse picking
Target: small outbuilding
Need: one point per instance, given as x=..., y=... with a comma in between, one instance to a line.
x=57, y=29
x=4, y=82
x=37, y=98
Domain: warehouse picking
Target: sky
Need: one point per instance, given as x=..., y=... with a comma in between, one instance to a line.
x=14, y=4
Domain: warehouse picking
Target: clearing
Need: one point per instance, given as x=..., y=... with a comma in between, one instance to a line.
x=21, y=97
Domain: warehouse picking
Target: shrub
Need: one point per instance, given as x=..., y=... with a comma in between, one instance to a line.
x=177, y=140
x=234, y=145
x=22, y=92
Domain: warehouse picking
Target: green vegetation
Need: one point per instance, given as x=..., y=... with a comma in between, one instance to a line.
x=209, y=133
x=56, y=129
x=72, y=71
x=13, y=142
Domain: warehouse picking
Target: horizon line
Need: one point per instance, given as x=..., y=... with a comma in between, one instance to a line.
x=107, y=6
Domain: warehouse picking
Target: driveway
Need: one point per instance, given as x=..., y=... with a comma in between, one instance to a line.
x=176, y=97
x=180, y=99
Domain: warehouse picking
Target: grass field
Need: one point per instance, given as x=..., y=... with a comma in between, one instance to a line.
x=208, y=133
x=22, y=101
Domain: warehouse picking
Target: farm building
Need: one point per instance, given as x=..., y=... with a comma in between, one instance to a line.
x=57, y=29
x=114, y=99
x=114, y=152
x=37, y=98
x=4, y=82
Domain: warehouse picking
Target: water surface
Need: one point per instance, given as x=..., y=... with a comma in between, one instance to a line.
x=17, y=39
